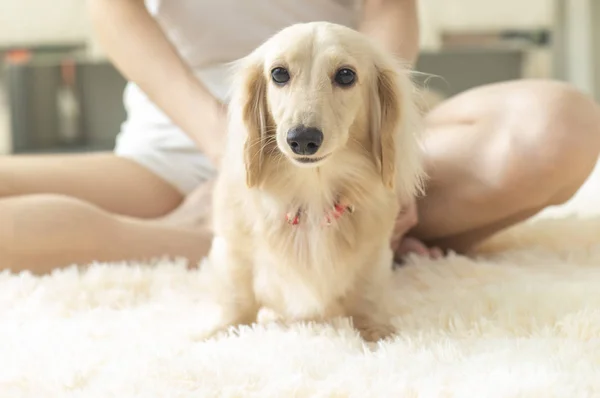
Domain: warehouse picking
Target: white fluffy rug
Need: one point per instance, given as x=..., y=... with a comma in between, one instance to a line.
x=522, y=319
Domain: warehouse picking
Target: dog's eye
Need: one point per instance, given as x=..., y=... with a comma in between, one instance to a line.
x=345, y=77
x=280, y=75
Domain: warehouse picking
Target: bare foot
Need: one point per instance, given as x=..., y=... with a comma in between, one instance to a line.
x=195, y=211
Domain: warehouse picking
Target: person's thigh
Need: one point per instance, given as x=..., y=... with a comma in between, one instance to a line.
x=115, y=184
x=499, y=154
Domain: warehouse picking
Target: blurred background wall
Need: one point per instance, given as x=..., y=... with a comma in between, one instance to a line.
x=58, y=93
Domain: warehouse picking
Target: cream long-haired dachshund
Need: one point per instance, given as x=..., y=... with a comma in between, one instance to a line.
x=322, y=150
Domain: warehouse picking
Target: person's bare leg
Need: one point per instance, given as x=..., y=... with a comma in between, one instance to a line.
x=57, y=210
x=42, y=232
x=116, y=184
x=499, y=154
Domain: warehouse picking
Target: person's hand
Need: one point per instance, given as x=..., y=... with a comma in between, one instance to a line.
x=403, y=245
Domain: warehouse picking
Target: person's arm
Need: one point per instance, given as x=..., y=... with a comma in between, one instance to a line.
x=395, y=24
x=137, y=46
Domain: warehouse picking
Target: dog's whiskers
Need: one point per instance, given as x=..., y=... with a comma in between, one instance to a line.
x=264, y=143
x=269, y=130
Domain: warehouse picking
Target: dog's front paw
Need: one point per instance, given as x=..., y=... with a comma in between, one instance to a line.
x=214, y=332
x=372, y=331
x=230, y=322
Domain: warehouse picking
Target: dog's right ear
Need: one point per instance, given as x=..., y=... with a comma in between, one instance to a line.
x=254, y=116
x=395, y=128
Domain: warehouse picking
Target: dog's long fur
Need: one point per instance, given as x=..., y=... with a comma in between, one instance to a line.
x=311, y=272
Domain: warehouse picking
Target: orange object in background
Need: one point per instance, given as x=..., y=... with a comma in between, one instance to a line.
x=18, y=56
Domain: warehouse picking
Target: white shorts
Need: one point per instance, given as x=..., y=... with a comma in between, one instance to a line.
x=151, y=139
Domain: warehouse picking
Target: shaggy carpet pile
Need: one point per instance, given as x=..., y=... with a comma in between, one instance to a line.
x=520, y=318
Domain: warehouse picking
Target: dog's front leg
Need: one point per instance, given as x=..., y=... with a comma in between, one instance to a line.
x=369, y=304
x=229, y=274
x=372, y=322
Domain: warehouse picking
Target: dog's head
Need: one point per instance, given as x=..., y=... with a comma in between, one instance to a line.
x=313, y=89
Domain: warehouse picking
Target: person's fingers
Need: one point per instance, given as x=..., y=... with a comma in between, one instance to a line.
x=412, y=245
x=436, y=253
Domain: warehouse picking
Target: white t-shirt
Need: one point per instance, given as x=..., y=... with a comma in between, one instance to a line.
x=210, y=33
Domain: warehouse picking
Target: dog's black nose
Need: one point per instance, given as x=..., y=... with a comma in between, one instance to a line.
x=304, y=140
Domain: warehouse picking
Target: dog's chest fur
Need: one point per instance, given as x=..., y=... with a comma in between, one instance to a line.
x=303, y=270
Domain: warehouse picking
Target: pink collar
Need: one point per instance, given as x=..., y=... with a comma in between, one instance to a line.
x=338, y=211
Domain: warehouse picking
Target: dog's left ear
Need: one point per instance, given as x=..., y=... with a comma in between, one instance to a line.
x=254, y=116
x=386, y=112
x=394, y=128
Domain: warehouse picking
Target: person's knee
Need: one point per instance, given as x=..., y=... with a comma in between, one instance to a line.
x=554, y=141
